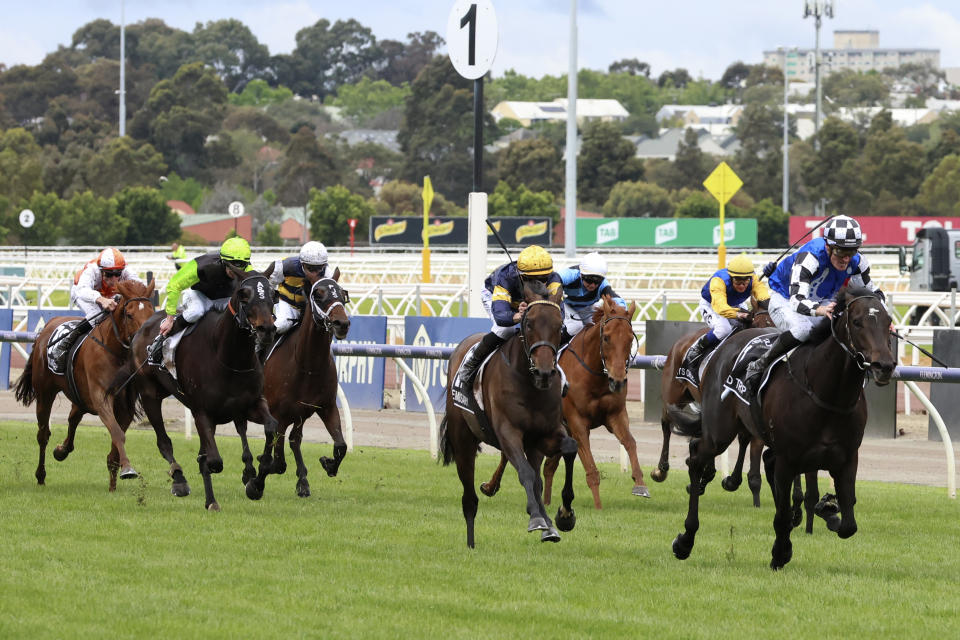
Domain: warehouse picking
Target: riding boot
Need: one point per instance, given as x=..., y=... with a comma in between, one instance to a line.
x=155, y=350
x=785, y=342
x=565, y=336
x=468, y=369
x=698, y=350
x=59, y=349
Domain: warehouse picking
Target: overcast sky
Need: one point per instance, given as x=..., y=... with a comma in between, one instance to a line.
x=702, y=36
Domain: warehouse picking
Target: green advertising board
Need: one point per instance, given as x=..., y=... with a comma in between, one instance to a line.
x=665, y=232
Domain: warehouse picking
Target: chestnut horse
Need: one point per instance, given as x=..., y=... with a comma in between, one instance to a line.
x=521, y=413
x=300, y=380
x=811, y=415
x=596, y=365
x=95, y=362
x=219, y=378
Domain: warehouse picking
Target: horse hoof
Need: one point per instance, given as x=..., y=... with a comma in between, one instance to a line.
x=487, y=491
x=658, y=475
x=329, y=465
x=641, y=491
x=60, y=453
x=550, y=535
x=537, y=524
x=730, y=484
x=215, y=465
x=213, y=506
x=303, y=490
x=679, y=551
x=797, y=519
x=699, y=493
x=566, y=521
x=181, y=490
x=247, y=476
x=253, y=491
x=129, y=473
x=278, y=468
x=827, y=506
x=833, y=524
x=846, y=532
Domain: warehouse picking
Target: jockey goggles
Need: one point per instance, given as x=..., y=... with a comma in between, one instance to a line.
x=844, y=252
x=592, y=280
x=111, y=273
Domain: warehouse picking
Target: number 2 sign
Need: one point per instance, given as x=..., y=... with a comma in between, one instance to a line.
x=472, y=37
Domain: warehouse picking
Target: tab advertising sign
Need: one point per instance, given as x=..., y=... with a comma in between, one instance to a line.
x=877, y=230
x=515, y=231
x=424, y=331
x=665, y=232
x=361, y=377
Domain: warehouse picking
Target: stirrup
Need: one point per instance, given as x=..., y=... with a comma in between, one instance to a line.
x=155, y=353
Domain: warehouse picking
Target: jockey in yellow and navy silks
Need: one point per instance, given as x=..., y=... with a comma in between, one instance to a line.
x=502, y=298
x=293, y=277
x=721, y=306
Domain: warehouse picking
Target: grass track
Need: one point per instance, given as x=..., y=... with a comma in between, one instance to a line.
x=380, y=552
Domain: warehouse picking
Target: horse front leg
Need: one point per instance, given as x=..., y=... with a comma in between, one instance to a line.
x=117, y=458
x=810, y=498
x=331, y=420
x=620, y=425
x=529, y=477
x=152, y=408
x=846, y=485
x=44, y=406
x=550, y=465
x=732, y=482
x=566, y=518
x=782, y=550
x=697, y=462
x=208, y=459
x=240, y=424
x=260, y=413
x=663, y=466
x=491, y=487
x=296, y=439
x=579, y=428
x=753, y=475
x=210, y=501
x=65, y=448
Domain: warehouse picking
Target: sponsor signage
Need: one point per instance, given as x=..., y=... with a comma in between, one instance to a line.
x=424, y=331
x=516, y=231
x=877, y=230
x=361, y=377
x=665, y=232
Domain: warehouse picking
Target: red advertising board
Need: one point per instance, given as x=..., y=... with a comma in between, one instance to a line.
x=877, y=230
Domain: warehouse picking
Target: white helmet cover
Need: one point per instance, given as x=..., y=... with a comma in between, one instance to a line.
x=593, y=264
x=313, y=253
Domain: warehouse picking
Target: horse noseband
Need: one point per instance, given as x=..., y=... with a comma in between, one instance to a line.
x=603, y=361
x=542, y=343
x=337, y=298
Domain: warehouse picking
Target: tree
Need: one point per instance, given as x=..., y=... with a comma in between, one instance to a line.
x=630, y=66
x=20, y=164
x=28, y=90
x=232, y=50
x=399, y=198
x=849, y=88
x=940, y=192
x=535, y=163
x=93, y=221
x=257, y=93
x=638, y=200
x=606, y=158
x=327, y=57
x=832, y=173
x=307, y=165
x=678, y=78
x=759, y=161
x=521, y=201
x=697, y=204
x=49, y=211
x=176, y=188
x=400, y=63
x=257, y=121
x=151, y=221
x=330, y=211
x=735, y=76
x=368, y=98
x=151, y=43
x=123, y=163
x=691, y=163
x=891, y=163
x=269, y=236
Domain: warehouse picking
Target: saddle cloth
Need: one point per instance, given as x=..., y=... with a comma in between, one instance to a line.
x=477, y=388
x=752, y=350
x=686, y=375
x=58, y=365
x=170, y=350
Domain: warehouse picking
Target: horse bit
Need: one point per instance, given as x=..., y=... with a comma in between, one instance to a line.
x=240, y=313
x=339, y=298
x=542, y=343
x=858, y=357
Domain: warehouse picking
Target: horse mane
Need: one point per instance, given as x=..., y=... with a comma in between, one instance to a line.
x=821, y=332
x=538, y=288
x=131, y=289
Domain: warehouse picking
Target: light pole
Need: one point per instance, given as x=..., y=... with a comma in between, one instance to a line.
x=570, y=220
x=786, y=128
x=817, y=9
x=123, y=64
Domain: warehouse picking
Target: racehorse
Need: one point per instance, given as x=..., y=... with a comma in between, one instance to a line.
x=812, y=412
x=677, y=394
x=219, y=378
x=521, y=413
x=300, y=379
x=596, y=365
x=95, y=362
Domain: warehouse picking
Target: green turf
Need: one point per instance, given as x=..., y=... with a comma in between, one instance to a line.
x=379, y=552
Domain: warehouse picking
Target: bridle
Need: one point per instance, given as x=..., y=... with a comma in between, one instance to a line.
x=605, y=370
x=338, y=297
x=528, y=350
x=240, y=314
x=851, y=350
x=116, y=328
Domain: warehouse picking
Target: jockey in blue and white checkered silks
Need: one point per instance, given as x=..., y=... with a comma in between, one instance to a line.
x=804, y=284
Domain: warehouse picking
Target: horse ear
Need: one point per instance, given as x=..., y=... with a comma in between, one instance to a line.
x=150, y=287
x=557, y=296
x=269, y=270
x=632, y=309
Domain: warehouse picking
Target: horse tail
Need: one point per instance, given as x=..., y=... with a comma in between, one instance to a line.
x=443, y=438
x=684, y=423
x=24, y=392
x=126, y=407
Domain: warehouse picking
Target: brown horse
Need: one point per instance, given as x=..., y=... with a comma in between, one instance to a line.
x=596, y=364
x=812, y=412
x=521, y=413
x=300, y=380
x=219, y=378
x=96, y=361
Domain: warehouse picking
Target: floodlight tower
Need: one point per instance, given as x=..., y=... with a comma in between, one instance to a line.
x=818, y=9
x=123, y=81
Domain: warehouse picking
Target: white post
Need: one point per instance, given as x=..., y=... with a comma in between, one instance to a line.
x=570, y=217
x=476, y=252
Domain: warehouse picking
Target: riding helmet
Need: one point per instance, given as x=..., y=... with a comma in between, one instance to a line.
x=593, y=264
x=740, y=266
x=313, y=253
x=235, y=248
x=110, y=258
x=843, y=232
x=534, y=261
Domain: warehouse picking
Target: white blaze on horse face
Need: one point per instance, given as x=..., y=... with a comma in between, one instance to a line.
x=140, y=307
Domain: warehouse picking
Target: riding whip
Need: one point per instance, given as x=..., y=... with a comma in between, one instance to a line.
x=499, y=239
x=922, y=350
x=770, y=267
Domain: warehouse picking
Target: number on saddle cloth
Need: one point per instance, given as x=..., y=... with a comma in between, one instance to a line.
x=60, y=343
x=735, y=382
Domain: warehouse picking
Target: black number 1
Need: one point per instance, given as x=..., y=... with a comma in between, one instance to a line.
x=471, y=18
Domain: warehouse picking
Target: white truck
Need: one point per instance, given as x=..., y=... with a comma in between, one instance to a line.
x=935, y=261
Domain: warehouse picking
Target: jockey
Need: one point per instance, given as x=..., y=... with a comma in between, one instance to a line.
x=178, y=254
x=804, y=284
x=196, y=287
x=503, y=301
x=92, y=292
x=583, y=287
x=721, y=307
x=293, y=277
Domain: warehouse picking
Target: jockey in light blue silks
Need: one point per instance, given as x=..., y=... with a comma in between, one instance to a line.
x=722, y=301
x=584, y=286
x=804, y=284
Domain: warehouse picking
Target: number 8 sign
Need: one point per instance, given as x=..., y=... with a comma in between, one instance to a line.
x=472, y=37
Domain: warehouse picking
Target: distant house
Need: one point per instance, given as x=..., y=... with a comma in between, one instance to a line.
x=181, y=207
x=718, y=119
x=214, y=227
x=292, y=230
x=529, y=113
x=665, y=147
x=383, y=137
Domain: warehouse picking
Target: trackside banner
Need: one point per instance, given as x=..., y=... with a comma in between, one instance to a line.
x=877, y=230
x=424, y=331
x=515, y=231
x=665, y=232
x=361, y=377
x=37, y=319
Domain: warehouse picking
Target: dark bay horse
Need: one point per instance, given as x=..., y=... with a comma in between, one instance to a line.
x=596, y=365
x=219, y=378
x=301, y=380
x=812, y=414
x=677, y=395
x=96, y=361
x=521, y=414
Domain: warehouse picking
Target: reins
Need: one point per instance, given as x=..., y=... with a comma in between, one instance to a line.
x=603, y=362
x=542, y=343
x=116, y=329
x=322, y=318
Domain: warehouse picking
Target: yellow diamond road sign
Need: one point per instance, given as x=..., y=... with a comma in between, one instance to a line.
x=723, y=183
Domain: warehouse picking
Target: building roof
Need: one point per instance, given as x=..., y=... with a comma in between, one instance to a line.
x=179, y=206
x=669, y=141
x=383, y=137
x=596, y=108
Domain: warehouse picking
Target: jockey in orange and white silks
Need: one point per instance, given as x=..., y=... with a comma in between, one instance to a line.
x=96, y=283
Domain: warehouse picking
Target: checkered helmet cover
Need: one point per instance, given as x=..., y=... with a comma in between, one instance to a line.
x=844, y=232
